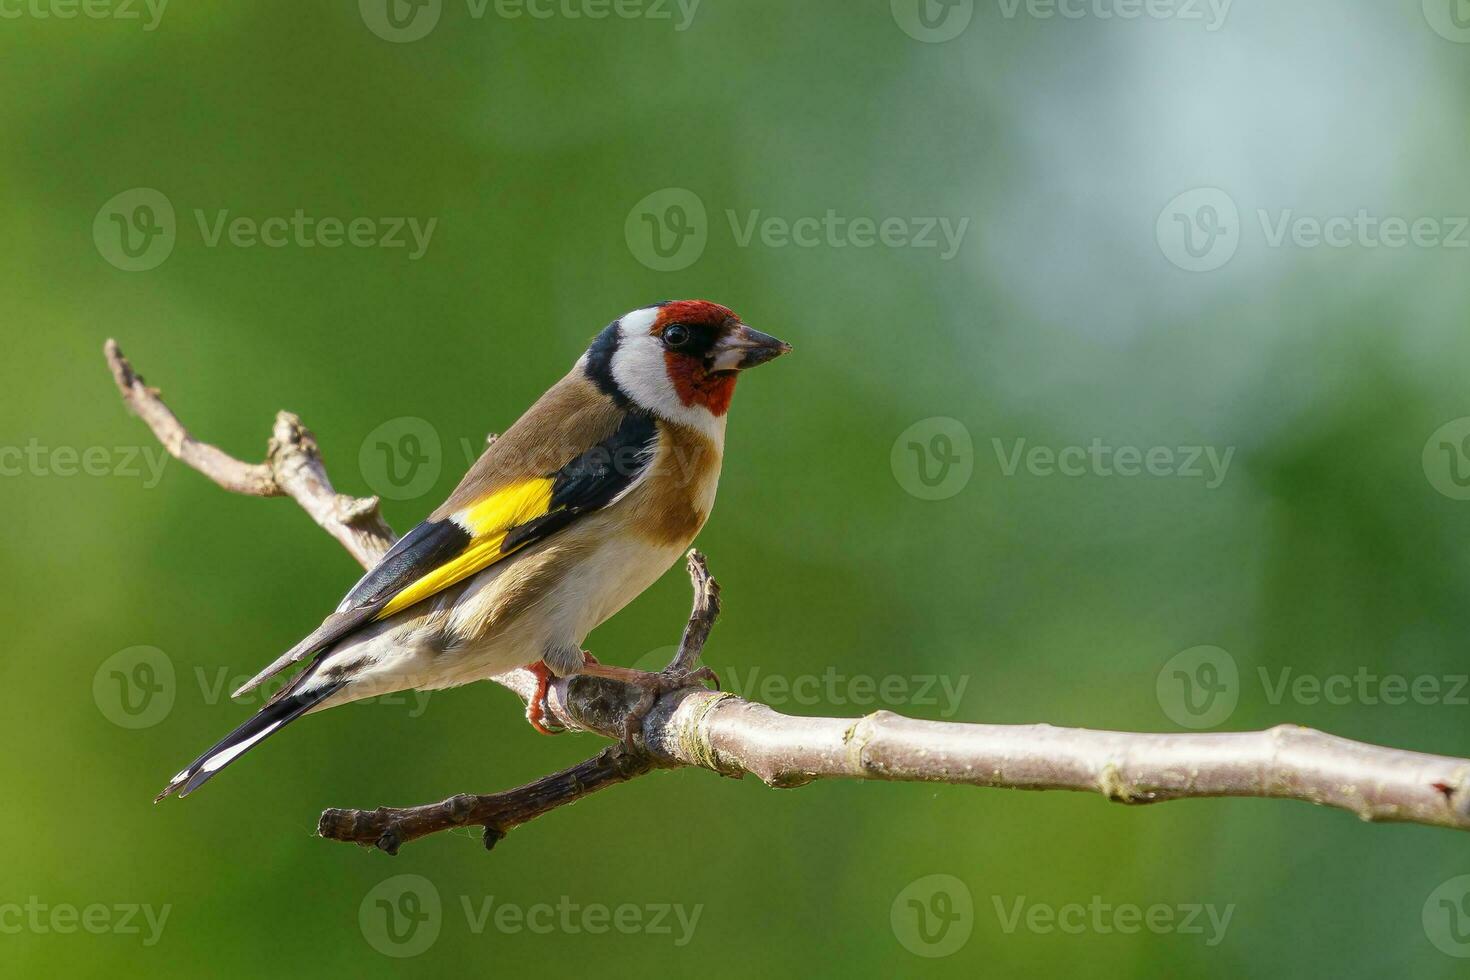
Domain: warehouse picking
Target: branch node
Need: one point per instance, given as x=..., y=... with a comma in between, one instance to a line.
x=1110, y=783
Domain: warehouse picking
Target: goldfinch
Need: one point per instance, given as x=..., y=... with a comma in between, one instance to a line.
x=581, y=505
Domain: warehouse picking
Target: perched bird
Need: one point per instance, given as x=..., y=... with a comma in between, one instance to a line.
x=581, y=505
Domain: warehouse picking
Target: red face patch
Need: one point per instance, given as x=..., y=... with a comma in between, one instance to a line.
x=696, y=386
x=692, y=311
x=693, y=384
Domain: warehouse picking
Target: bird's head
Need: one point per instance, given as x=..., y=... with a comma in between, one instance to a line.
x=680, y=359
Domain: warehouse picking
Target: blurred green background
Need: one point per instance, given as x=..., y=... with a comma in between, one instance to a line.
x=1085, y=299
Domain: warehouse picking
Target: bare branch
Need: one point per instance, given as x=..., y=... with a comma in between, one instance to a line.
x=732, y=736
x=293, y=466
x=388, y=828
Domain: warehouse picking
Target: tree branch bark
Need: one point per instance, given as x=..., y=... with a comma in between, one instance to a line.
x=732, y=736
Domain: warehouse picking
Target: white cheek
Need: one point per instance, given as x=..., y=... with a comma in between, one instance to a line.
x=638, y=368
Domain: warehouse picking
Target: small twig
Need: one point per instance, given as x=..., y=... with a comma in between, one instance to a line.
x=293, y=467
x=252, y=479
x=701, y=619
x=388, y=828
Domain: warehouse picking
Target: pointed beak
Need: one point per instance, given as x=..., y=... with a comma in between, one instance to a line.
x=745, y=347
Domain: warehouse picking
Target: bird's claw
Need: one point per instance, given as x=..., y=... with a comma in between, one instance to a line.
x=537, y=709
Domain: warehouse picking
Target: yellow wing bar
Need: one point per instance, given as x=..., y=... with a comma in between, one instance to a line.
x=488, y=521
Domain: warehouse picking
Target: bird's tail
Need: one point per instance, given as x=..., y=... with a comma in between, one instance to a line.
x=273, y=716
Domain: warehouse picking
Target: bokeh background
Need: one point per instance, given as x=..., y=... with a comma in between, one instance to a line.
x=1121, y=276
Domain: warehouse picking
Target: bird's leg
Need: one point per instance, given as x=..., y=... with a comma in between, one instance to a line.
x=650, y=686
x=536, y=707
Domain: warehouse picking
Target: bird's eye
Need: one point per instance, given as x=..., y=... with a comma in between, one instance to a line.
x=676, y=335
